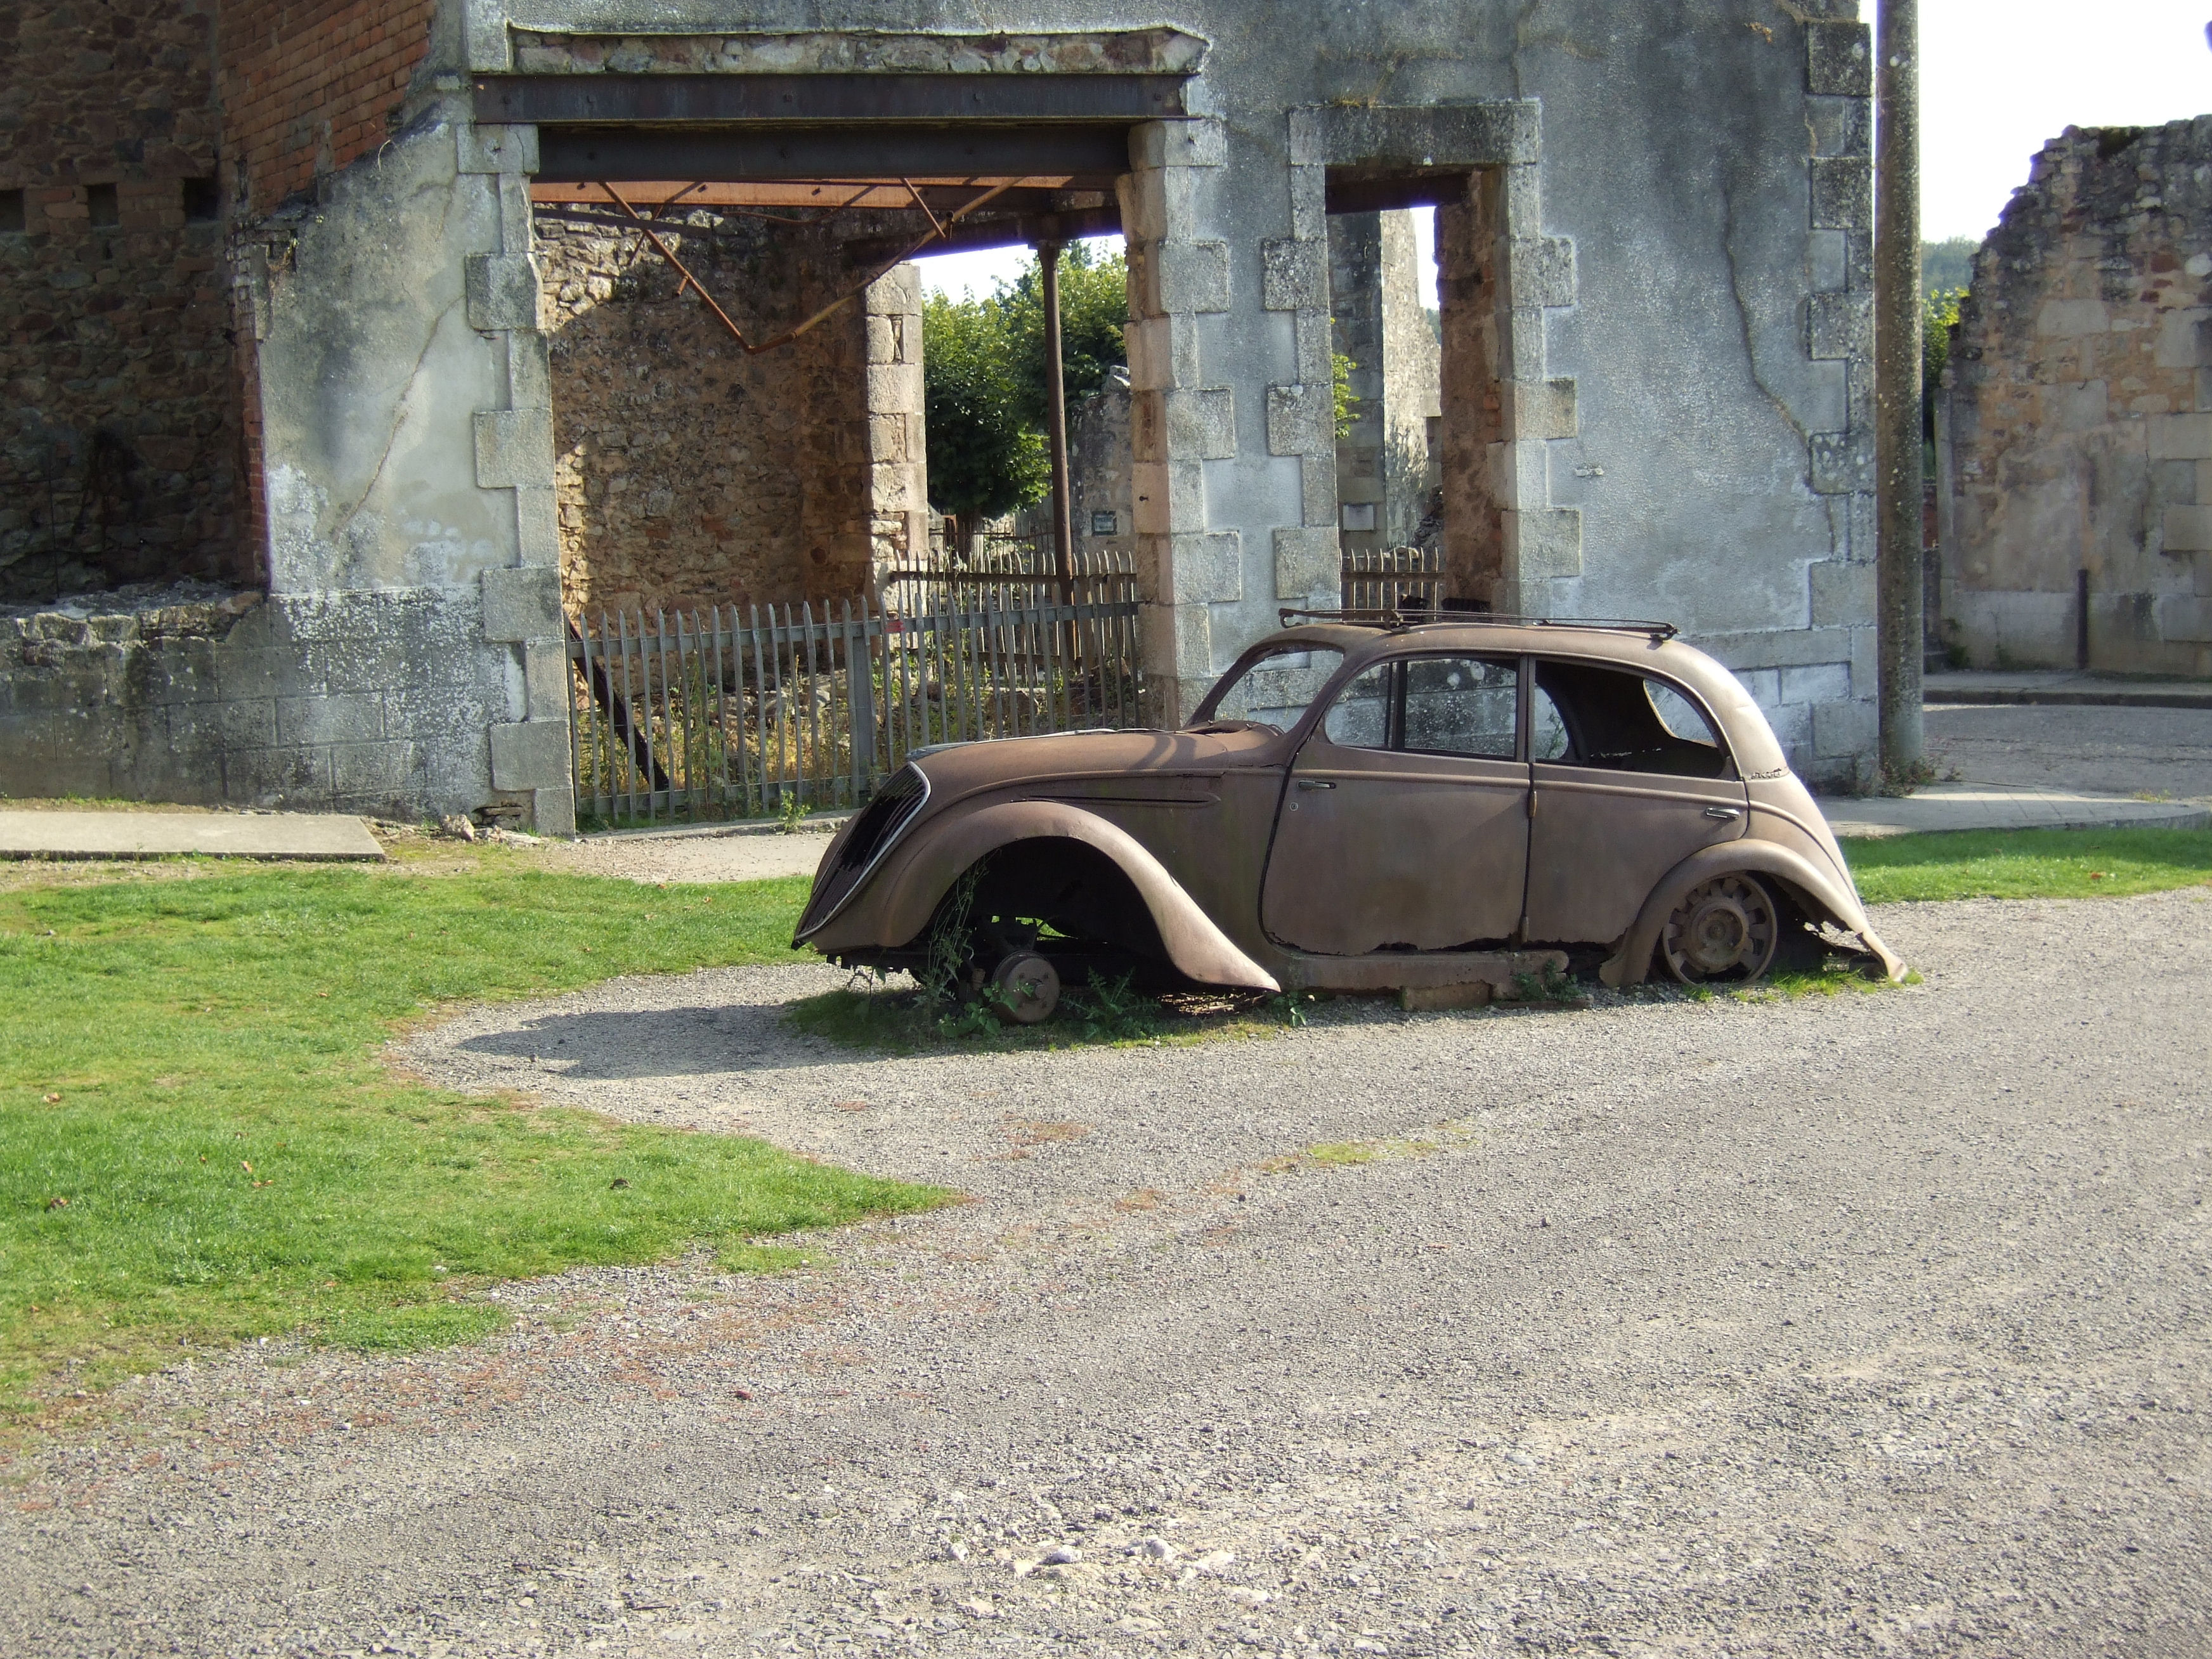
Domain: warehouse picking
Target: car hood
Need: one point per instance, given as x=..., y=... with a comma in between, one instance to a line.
x=958, y=769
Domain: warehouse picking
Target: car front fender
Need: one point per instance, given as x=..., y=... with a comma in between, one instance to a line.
x=1629, y=964
x=907, y=892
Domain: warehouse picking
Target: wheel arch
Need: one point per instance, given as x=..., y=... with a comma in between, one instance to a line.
x=909, y=892
x=1816, y=890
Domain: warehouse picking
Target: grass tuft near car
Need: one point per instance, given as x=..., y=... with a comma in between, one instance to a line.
x=1363, y=805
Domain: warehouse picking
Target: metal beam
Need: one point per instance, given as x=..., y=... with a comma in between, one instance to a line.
x=1088, y=157
x=636, y=99
x=1022, y=230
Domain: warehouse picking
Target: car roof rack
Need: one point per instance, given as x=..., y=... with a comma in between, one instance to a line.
x=1393, y=621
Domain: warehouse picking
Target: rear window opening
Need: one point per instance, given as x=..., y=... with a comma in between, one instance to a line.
x=1616, y=721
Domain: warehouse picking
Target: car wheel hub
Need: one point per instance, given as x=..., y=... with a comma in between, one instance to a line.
x=1726, y=926
x=1027, y=987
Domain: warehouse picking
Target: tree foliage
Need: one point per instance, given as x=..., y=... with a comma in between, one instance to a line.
x=983, y=372
x=1939, y=315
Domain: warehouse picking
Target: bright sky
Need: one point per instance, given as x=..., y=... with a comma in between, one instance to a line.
x=1998, y=79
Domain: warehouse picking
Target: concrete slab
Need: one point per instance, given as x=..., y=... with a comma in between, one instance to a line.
x=1993, y=806
x=320, y=836
x=2060, y=687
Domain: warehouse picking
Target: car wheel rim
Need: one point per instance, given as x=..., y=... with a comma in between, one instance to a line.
x=1723, y=928
x=1029, y=988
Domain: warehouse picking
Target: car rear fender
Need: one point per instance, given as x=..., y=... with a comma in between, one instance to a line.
x=1815, y=885
x=943, y=851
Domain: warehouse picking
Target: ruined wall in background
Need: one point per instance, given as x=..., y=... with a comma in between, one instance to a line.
x=1101, y=486
x=2078, y=432
x=690, y=473
x=119, y=456
x=1381, y=324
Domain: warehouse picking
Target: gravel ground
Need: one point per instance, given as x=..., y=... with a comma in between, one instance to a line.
x=749, y=857
x=1873, y=1324
x=2164, y=751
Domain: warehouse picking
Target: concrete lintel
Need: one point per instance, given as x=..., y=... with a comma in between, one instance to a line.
x=1499, y=134
x=530, y=755
x=522, y=602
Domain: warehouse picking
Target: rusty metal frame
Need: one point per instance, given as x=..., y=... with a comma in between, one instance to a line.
x=936, y=233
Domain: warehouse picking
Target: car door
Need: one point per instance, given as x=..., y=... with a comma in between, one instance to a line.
x=1403, y=825
x=1629, y=776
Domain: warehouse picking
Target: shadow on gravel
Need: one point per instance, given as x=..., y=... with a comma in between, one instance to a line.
x=658, y=1042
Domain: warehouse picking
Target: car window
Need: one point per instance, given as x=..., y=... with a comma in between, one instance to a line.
x=1275, y=688
x=1620, y=720
x=1360, y=716
x=1461, y=706
x=1548, y=733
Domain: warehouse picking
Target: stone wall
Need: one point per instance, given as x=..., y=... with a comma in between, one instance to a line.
x=1101, y=489
x=1382, y=324
x=119, y=453
x=2077, y=433
x=690, y=472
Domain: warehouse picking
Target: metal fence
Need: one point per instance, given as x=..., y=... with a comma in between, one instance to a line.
x=1394, y=579
x=722, y=712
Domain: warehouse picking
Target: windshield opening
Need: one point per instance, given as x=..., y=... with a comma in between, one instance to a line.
x=1274, y=688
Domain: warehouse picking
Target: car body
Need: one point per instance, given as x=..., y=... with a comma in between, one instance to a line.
x=1363, y=805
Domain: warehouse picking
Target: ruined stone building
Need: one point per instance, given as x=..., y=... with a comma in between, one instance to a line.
x=2074, y=457
x=342, y=312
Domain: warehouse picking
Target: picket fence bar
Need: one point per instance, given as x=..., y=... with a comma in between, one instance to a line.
x=1404, y=579
x=722, y=712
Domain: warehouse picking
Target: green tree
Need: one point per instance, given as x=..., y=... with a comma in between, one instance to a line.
x=985, y=457
x=984, y=384
x=1940, y=312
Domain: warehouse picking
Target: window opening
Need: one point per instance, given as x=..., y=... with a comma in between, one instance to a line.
x=1619, y=720
x=12, y=212
x=203, y=201
x=1273, y=688
x=100, y=202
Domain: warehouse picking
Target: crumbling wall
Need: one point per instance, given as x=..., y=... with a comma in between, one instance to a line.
x=2078, y=428
x=691, y=473
x=119, y=453
x=1382, y=324
x=1100, y=486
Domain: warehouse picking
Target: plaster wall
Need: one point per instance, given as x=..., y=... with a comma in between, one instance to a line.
x=2078, y=423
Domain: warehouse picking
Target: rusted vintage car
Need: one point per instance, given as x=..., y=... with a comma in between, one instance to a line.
x=1363, y=805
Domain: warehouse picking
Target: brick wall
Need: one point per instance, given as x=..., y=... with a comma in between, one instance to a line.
x=2078, y=432
x=307, y=87
x=118, y=449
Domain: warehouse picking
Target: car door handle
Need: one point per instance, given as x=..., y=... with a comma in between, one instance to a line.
x=1723, y=814
x=1316, y=783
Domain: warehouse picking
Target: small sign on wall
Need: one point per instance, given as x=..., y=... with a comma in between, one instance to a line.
x=1357, y=515
x=1106, y=523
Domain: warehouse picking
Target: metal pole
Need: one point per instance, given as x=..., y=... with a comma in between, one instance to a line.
x=1055, y=392
x=1900, y=623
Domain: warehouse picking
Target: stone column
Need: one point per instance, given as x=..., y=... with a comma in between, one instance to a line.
x=530, y=753
x=1177, y=421
x=898, y=473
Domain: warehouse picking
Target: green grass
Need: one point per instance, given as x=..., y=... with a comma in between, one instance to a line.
x=2029, y=864
x=198, y=1142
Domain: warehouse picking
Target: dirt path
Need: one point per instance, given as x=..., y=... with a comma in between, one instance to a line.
x=1876, y=1324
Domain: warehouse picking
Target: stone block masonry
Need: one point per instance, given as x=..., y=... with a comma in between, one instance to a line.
x=2076, y=430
